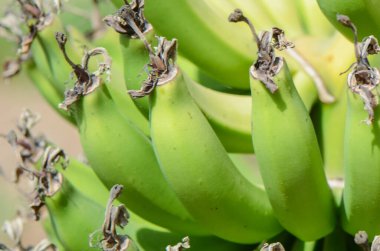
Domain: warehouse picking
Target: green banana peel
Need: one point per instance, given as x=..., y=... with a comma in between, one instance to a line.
x=132, y=165
x=146, y=235
x=360, y=207
x=183, y=19
x=274, y=116
x=183, y=142
x=359, y=11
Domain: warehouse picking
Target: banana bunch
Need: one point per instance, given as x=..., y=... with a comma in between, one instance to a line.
x=170, y=128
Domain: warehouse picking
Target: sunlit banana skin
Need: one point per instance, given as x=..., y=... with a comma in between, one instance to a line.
x=121, y=154
x=294, y=178
x=359, y=11
x=361, y=197
x=230, y=114
x=184, y=19
x=199, y=170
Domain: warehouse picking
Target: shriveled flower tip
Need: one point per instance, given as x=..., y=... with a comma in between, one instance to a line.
x=236, y=16
x=343, y=19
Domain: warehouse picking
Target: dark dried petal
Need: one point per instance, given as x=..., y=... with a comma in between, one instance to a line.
x=11, y=68
x=36, y=207
x=273, y=247
x=185, y=244
x=4, y=248
x=236, y=16
x=279, y=40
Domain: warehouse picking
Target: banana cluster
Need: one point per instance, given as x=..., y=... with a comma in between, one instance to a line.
x=169, y=93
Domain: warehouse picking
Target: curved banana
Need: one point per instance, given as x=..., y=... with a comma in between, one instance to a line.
x=70, y=206
x=228, y=114
x=199, y=170
x=309, y=212
x=130, y=161
x=361, y=198
x=103, y=130
x=279, y=118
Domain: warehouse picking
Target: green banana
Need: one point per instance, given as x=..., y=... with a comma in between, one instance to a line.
x=277, y=110
x=103, y=130
x=69, y=208
x=184, y=19
x=148, y=236
x=360, y=205
x=297, y=171
x=227, y=114
x=134, y=165
x=360, y=12
x=230, y=114
x=200, y=171
x=360, y=195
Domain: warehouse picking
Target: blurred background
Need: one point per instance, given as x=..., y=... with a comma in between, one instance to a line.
x=17, y=94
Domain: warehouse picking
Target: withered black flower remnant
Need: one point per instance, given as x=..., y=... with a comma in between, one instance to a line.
x=35, y=17
x=86, y=82
x=363, y=79
x=31, y=153
x=185, y=244
x=273, y=247
x=27, y=147
x=115, y=216
x=162, y=67
x=267, y=64
x=14, y=229
x=129, y=19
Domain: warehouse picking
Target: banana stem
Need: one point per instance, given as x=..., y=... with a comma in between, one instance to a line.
x=323, y=93
x=238, y=16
